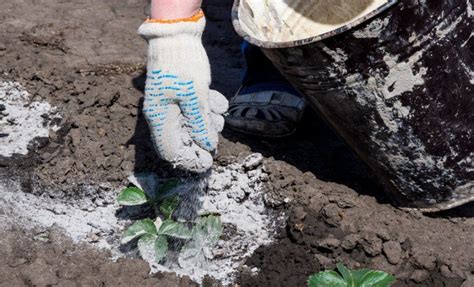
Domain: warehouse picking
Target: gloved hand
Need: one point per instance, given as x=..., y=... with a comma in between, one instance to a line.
x=184, y=116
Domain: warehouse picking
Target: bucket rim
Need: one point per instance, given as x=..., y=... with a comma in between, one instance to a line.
x=273, y=45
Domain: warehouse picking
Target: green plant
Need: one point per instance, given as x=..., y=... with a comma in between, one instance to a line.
x=153, y=236
x=351, y=278
x=131, y=196
x=208, y=228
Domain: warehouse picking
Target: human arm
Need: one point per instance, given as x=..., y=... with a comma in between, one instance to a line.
x=184, y=116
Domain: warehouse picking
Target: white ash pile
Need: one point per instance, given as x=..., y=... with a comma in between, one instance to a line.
x=22, y=119
x=235, y=192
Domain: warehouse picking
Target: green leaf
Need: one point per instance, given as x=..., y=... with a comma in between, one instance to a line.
x=359, y=275
x=377, y=279
x=146, y=247
x=132, y=196
x=346, y=274
x=209, y=227
x=152, y=247
x=168, y=206
x=351, y=278
x=175, y=229
x=139, y=228
x=167, y=186
x=161, y=247
x=326, y=279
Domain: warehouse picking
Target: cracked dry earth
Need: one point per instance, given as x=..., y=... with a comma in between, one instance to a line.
x=85, y=59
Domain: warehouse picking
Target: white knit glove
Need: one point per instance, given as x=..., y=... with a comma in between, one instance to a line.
x=184, y=116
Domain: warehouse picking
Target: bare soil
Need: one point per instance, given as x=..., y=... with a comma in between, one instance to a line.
x=47, y=258
x=85, y=58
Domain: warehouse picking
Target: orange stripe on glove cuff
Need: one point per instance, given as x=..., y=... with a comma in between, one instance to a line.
x=194, y=18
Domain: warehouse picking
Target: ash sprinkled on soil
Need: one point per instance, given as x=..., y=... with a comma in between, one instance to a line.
x=236, y=193
x=22, y=119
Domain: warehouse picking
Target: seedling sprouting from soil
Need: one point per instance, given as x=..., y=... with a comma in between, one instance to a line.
x=154, y=236
x=350, y=278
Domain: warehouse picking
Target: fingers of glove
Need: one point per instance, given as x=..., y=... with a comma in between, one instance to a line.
x=155, y=113
x=192, y=158
x=218, y=102
x=172, y=142
x=217, y=122
x=196, y=114
x=213, y=131
x=200, y=128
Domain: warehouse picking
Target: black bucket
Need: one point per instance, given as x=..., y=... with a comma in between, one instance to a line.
x=396, y=82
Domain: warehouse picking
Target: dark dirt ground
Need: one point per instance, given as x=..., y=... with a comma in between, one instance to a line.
x=85, y=58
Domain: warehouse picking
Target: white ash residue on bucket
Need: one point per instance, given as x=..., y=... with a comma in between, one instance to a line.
x=236, y=193
x=21, y=119
x=291, y=20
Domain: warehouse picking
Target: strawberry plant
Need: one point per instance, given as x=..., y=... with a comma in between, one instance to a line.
x=154, y=236
x=351, y=278
x=132, y=196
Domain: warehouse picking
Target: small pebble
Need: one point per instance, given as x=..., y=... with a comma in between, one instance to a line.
x=253, y=161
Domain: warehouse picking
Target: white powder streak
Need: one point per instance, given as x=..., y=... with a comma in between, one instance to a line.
x=21, y=121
